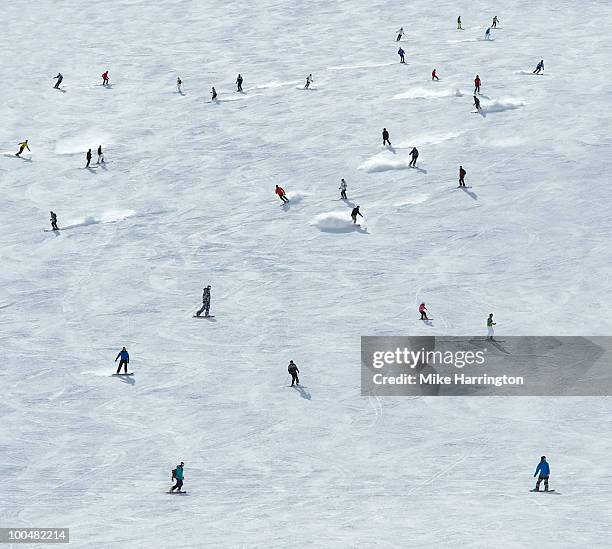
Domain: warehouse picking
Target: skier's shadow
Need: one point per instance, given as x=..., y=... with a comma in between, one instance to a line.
x=470, y=193
x=286, y=206
x=420, y=170
x=392, y=149
x=91, y=169
x=428, y=322
x=303, y=393
x=103, y=166
x=348, y=203
x=129, y=380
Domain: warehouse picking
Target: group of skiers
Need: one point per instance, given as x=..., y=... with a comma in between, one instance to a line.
x=493, y=24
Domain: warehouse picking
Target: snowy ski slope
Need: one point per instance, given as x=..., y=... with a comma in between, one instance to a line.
x=187, y=199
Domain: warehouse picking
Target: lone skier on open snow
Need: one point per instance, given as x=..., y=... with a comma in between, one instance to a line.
x=105, y=78
x=309, y=81
x=459, y=23
x=462, y=174
x=88, y=156
x=495, y=21
x=477, y=83
x=213, y=94
x=401, y=53
x=355, y=213
x=477, y=103
x=343, y=186
x=400, y=33
x=53, y=220
x=179, y=476
x=59, y=78
x=423, y=311
x=205, y=302
x=543, y=470
x=179, y=83
x=488, y=34
x=434, y=75
x=281, y=193
x=239, y=83
x=294, y=371
x=23, y=145
x=414, y=153
x=539, y=68
x=385, y=136
x=490, y=329
x=125, y=360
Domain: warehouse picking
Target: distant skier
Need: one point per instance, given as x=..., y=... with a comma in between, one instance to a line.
x=294, y=371
x=539, y=68
x=308, y=81
x=423, y=311
x=355, y=213
x=100, y=155
x=385, y=136
x=179, y=83
x=488, y=34
x=477, y=83
x=105, y=78
x=490, y=324
x=401, y=53
x=53, y=220
x=88, y=158
x=23, y=145
x=239, y=83
x=59, y=78
x=178, y=475
x=205, y=302
x=213, y=94
x=477, y=103
x=125, y=360
x=434, y=76
x=400, y=33
x=343, y=189
x=495, y=21
x=462, y=174
x=281, y=193
x=543, y=470
x=414, y=153
x=459, y=23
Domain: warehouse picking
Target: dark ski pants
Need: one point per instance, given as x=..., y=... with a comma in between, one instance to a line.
x=54, y=226
x=239, y=87
x=477, y=89
x=399, y=37
x=461, y=182
x=295, y=380
x=205, y=308
x=402, y=59
x=413, y=162
x=179, y=485
x=283, y=198
x=343, y=195
x=386, y=142
x=123, y=363
x=20, y=151
x=88, y=162
x=435, y=78
x=540, y=479
x=424, y=315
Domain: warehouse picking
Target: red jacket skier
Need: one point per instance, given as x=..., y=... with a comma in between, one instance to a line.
x=105, y=78
x=281, y=193
x=423, y=311
x=477, y=84
x=434, y=76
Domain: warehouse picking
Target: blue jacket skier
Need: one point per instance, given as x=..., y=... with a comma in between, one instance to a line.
x=125, y=359
x=59, y=80
x=539, y=67
x=401, y=53
x=179, y=476
x=543, y=470
x=488, y=34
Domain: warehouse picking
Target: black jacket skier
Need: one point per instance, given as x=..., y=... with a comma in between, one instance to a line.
x=293, y=370
x=415, y=154
x=88, y=158
x=53, y=221
x=239, y=83
x=205, y=302
x=59, y=80
x=355, y=213
x=385, y=136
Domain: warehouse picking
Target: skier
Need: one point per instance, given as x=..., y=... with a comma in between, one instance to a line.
x=179, y=83
x=179, y=476
x=400, y=33
x=355, y=213
x=543, y=469
x=105, y=78
x=401, y=53
x=488, y=34
x=477, y=84
x=343, y=189
x=293, y=370
x=205, y=302
x=477, y=103
x=239, y=83
x=308, y=81
x=423, y=311
x=434, y=76
x=125, y=359
x=213, y=93
x=59, y=80
x=385, y=135
x=462, y=173
x=490, y=330
x=100, y=155
x=414, y=153
x=495, y=21
x=539, y=68
x=88, y=158
x=459, y=23
x=281, y=193
x=22, y=145
x=53, y=221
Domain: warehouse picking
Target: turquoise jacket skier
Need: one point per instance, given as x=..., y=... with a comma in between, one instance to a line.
x=178, y=473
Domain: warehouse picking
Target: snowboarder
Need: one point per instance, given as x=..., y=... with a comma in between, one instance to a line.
x=488, y=34
x=239, y=83
x=477, y=83
x=477, y=103
x=23, y=145
x=423, y=311
x=308, y=81
x=105, y=78
x=414, y=153
x=459, y=23
x=539, y=68
x=462, y=174
x=53, y=221
x=125, y=359
x=213, y=93
x=88, y=158
x=355, y=213
x=490, y=324
x=179, y=83
x=400, y=33
x=343, y=189
x=100, y=155
x=401, y=53
x=385, y=135
x=495, y=21
x=294, y=371
x=543, y=469
x=205, y=302
x=434, y=76
x=59, y=80
x=281, y=193
x=179, y=476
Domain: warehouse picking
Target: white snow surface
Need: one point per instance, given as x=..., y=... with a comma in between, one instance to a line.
x=187, y=199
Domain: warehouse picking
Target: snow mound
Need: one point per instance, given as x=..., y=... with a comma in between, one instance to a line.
x=275, y=84
x=504, y=104
x=422, y=93
x=296, y=196
x=80, y=142
x=383, y=163
x=107, y=217
x=335, y=222
x=357, y=67
x=416, y=199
